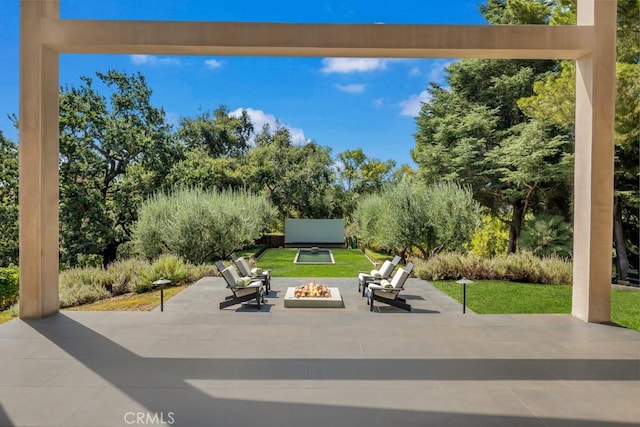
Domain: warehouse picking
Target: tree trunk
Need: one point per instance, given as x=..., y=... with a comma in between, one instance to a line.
x=109, y=253
x=516, y=225
x=622, y=259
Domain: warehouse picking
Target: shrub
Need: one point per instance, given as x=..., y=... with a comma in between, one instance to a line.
x=168, y=267
x=547, y=235
x=555, y=270
x=207, y=270
x=127, y=275
x=521, y=267
x=83, y=285
x=9, y=286
x=490, y=239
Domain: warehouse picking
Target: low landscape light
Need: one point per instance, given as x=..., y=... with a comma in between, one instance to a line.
x=464, y=282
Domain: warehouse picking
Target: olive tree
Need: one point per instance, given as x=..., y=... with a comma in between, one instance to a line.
x=430, y=218
x=198, y=224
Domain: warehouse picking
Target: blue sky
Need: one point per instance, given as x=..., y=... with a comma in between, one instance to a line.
x=343, y=103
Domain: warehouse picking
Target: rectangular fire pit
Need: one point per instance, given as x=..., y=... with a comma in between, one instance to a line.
x=335, y=301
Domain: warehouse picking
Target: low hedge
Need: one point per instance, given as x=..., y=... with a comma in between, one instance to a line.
x=85, y=285
x=520, y=267
x=9, y=287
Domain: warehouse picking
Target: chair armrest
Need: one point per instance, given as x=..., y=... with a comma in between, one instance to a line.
x=379, y=287
x=256, y=284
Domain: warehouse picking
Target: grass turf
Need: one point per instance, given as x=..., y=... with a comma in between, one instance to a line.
x=348, y=262
x=496, y=297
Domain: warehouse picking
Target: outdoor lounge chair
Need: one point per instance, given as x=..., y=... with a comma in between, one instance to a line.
x=375, y=275
x=256, y=273
x=241, y=292
x=388, y=292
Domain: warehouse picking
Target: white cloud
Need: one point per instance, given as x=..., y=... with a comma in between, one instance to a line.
x=153, y=60
x=352, y=88
x=352, y=65
x=213, y=63
x=259, y=118
x=411, y=106
x=378, y=102
x=415, y=71
x=437, y=71
x=432, y=69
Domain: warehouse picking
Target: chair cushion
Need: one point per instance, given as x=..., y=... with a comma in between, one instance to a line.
x=246, y=291
x=243, y=266
x=376, y=274
x=386, y=284
x=399, y=278
x=386, y=269
x=243, y=281
x=230, y=275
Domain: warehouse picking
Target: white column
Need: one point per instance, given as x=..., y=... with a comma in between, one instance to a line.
x=593, y=209
x=38, y=163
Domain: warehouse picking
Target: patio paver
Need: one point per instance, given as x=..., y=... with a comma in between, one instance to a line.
x=196, y=365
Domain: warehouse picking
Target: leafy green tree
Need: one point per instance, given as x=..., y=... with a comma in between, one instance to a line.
x=407, y=215
x=298, y=179
x=199, y=169
x=200, y=225
x=8, y=202
x=362, y=174
x=517, y=12
x=367, y=216
x=112, y=154
x=554, y=102
x=476, y=133
x=218, y=134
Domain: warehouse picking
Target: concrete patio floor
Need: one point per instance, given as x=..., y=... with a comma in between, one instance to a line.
x=196, y=365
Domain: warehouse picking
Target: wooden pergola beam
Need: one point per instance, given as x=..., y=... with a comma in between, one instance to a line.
x=319, y=40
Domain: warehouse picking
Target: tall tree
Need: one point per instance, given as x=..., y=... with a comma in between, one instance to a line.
x=112, y=153
x=361, y=175
x=217, y=133
x=298, y=179
x=554, y=102
x=8, y=202
x=469, y=130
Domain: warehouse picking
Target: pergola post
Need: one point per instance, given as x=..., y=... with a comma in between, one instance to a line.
x=592, y=43
x=38, y=163
x=594, y=166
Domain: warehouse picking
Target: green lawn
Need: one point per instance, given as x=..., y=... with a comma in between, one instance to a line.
x=348, y=263
x=495, y=297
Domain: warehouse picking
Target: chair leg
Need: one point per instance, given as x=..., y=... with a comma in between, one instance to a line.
x=398, y=303
x=228, y=302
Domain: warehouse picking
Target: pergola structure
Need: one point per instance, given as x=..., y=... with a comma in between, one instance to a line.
x=591, y=43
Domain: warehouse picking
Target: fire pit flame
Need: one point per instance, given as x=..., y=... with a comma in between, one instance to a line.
x=312, y=290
